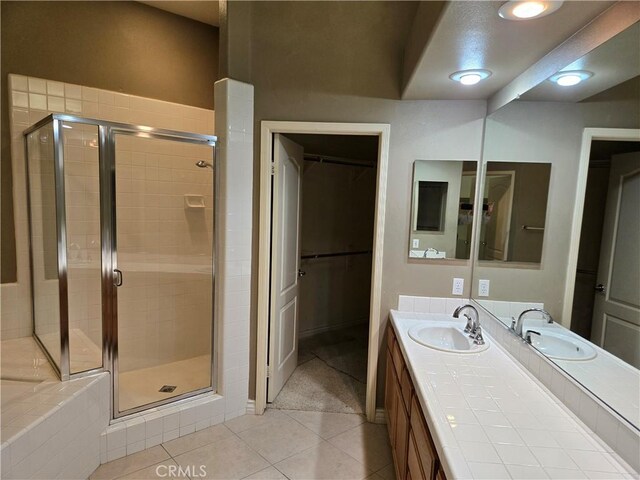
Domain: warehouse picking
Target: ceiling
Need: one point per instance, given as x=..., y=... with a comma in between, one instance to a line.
x=471, y=35
x=204, y=11
x=612, y=63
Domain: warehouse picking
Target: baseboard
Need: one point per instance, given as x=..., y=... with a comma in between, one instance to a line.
x=381, y=416
x=251, y=407
x=327, y=328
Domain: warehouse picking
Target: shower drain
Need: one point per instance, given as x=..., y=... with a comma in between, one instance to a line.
x=167, y=388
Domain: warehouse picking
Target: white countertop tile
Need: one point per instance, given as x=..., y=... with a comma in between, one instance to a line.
x=492, y=419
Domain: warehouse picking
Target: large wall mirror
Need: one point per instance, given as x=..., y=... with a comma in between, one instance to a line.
x=569, y=243
x=442, y=209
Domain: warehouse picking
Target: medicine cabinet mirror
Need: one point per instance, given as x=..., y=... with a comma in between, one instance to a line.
x=514, y=212
x=442, y=209
x=571, y=246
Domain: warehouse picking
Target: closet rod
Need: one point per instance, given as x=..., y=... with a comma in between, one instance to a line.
x=312, y=157
x=338, y=254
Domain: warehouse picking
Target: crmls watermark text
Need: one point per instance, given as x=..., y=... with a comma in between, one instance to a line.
x=173, y=471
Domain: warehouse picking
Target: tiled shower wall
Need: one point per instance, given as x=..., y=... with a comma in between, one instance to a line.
x=161, y=176
x=165, y=234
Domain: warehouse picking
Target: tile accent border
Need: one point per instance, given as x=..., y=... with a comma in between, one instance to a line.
x=159, y=425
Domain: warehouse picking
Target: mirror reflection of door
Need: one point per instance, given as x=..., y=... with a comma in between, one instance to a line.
x=606, y=306
x=465, y=215
x=497, y=221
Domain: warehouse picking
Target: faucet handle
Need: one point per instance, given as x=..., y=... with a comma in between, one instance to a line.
x=527, y=336
x=478, y=339
x=513, y=323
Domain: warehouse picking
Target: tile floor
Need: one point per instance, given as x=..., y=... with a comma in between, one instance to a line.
x=281, y=444
x=331, y=374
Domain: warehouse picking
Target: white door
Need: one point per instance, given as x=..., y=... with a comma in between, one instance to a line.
x=285, y=255
x=616, y=315
x=499, y=192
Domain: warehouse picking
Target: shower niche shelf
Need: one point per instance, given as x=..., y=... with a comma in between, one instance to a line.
x=193, y=201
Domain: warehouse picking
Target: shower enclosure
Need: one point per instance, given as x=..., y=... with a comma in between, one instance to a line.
x=122, y=250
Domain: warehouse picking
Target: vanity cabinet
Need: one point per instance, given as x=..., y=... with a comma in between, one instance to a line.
x=414, y=454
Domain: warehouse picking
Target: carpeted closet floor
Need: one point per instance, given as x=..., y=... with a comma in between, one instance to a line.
x=331, y=373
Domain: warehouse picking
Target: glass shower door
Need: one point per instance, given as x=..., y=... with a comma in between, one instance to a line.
x=163, y=269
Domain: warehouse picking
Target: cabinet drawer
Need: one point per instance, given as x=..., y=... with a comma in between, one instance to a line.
x=424, y=445
x=414, y=469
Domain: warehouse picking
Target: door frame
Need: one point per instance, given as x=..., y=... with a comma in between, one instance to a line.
x=267, y=130
x=588, y=136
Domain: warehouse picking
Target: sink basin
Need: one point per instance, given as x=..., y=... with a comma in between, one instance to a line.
x=427, y=254
x=445, y=336
x=562, y=346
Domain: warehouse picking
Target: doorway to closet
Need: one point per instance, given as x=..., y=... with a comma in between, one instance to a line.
x=322, y=221
x=322, y=217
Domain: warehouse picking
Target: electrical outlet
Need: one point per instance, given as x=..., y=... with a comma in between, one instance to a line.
x=483, y=288
x=415, y=243
x=458, y=286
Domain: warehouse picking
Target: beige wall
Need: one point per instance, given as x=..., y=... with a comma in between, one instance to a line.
x=304, y=73
x=119, y=46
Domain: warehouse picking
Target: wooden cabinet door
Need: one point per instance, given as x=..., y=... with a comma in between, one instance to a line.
x=414, y=468
x=426, y=451
x=402, y=435
x=390, y=398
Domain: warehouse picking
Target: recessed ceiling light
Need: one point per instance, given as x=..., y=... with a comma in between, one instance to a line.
x=570, y=77
x=526, y=9
x=470, y=77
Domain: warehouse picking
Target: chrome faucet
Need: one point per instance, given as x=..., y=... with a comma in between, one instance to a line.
x=473, y=323
x=430, y=249
x=516, y=325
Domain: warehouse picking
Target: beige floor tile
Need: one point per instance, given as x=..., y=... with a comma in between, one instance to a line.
x=279, y=439
x=229, y=458
x=269, y=473
x=245, y=422
x=166, y=469
x=131, y=463
x=374, y=476
x=197, y=439
x=388, y=472
x=368, y=443
x=326, y=424
x=323, y=462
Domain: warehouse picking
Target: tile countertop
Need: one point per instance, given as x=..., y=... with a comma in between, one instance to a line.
x=491, y=419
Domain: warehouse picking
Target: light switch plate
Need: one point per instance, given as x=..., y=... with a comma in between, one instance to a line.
x=415, y=243
x=458, y=286
x=483, y=288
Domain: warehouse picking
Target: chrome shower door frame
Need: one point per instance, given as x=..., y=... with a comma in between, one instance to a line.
x=108, y=238
x=110, y=249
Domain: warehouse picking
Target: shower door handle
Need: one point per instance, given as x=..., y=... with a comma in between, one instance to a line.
x=117, y=279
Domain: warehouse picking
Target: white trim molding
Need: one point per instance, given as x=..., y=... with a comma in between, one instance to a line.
x=588, y=136
x=267, y=130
